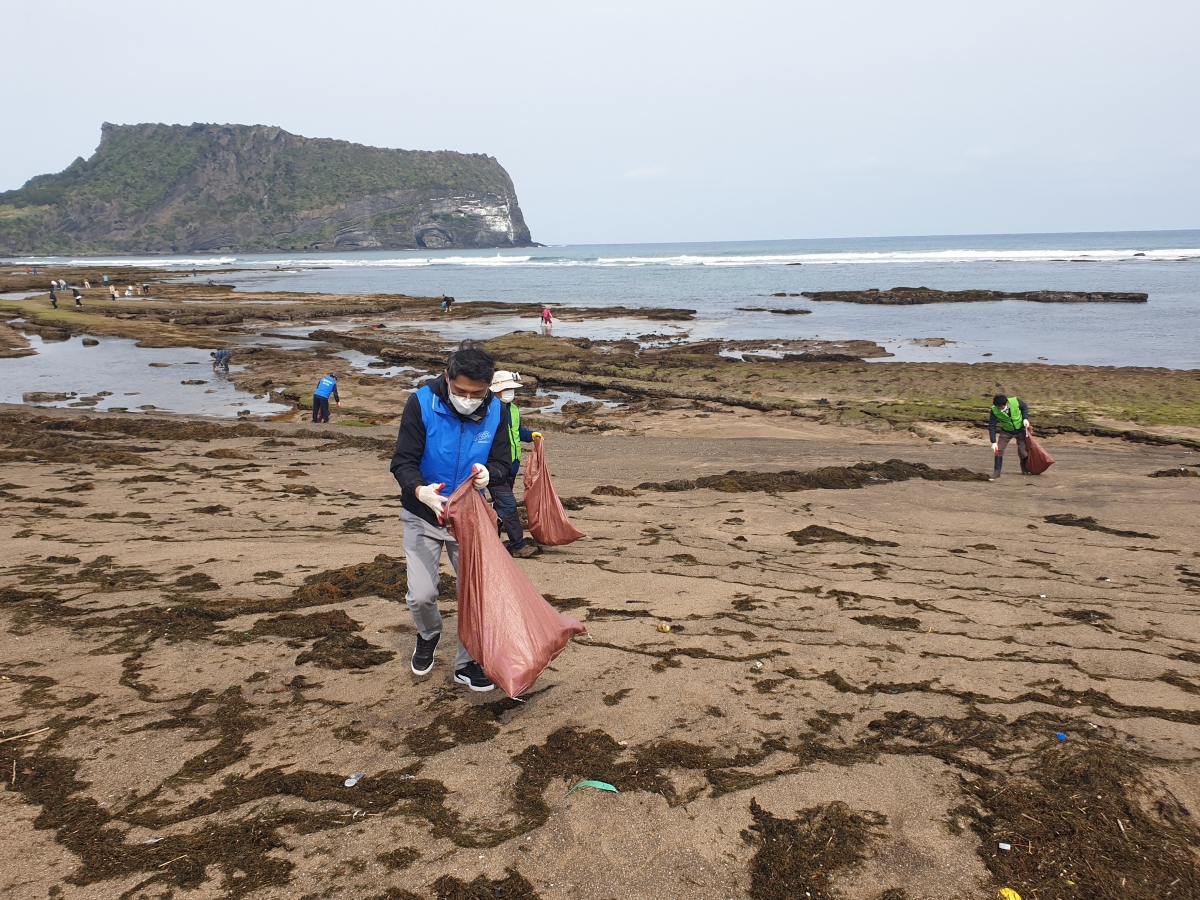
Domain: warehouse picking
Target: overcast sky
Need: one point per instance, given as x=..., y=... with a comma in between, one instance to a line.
x=669, y=121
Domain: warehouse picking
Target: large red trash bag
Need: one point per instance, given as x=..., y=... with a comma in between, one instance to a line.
x=1038, y=460
x=548, y=522
x=505, y=623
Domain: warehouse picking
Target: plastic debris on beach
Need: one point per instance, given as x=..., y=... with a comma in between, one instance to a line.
x=354, y=779
x=598, y=785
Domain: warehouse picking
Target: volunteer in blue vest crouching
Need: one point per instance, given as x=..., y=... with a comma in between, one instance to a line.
x=451, y=431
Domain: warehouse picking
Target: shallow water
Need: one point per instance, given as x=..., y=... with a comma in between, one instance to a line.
x=123, y=372
x=716, y=278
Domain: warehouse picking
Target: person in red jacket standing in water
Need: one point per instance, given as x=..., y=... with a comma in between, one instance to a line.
x=451, y=431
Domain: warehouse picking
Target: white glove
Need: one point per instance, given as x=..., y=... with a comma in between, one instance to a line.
x=995, y=447
x=479, y=477
x=428, y=494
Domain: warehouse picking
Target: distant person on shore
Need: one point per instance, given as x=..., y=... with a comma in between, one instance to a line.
x=450, y=433
x=504, y=386
x=53, y=299
x=129, y=290
x=325, y=387
x=87, y=285
x=112, y=292
x=146, y=288
x=547, y=321
x=78, y=297
x=221, y=358
x=106, y=279
x=62, y=284
x=447, y=303
x=1011, y=416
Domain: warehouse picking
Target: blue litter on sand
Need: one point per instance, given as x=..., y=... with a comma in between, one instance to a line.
x=598, y=785
x=1061, y=736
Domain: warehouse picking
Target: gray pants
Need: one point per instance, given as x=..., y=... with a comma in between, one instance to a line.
x=423, y=545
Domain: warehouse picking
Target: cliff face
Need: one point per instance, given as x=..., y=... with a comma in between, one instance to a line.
x=257, y=188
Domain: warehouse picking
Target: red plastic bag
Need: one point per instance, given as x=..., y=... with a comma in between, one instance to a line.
x=1038, y=460
x=504, y=622
x=548, y=522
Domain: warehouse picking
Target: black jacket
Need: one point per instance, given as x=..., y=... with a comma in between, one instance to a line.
x=410, y=447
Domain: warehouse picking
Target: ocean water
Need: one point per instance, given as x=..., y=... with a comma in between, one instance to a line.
x=716, y=279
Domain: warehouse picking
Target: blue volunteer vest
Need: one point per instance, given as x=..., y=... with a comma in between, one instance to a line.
x=325, y=387
x=452, y=444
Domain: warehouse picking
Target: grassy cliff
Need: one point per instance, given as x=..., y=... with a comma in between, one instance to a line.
x=176, y=188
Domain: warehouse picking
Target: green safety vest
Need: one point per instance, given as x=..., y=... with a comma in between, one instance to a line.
x=514, y=431
x=1011, y=420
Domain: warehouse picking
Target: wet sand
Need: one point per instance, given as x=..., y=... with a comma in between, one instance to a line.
x=204, y=635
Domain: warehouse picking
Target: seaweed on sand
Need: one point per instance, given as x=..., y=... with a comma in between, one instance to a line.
x=384, y=576
x=819, y=534
x=1091, y=524
x=798, y=857
x=1083, y=821
x=831, y=477
x=345, y=651
x=513, y=886
x=306, y=628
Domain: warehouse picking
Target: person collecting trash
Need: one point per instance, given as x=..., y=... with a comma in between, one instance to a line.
x=325, y=387
x=451, y=431
x=1012, y=417
x=221, y=359
x=504, y=386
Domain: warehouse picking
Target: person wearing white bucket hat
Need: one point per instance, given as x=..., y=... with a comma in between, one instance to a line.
x=505, y=385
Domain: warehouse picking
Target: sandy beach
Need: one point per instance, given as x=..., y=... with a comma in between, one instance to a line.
x=884, y=677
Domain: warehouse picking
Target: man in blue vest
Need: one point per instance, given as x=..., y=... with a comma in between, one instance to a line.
x=504, y=386
x=1011, y=416
x=325, y=387
x=451, y=431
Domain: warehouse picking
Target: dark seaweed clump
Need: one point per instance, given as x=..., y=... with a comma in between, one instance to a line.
x=513, y=886
x=1091, y=524
x=345, y=651
x=306, y=628
x=1084, y=822
x=796, y=857
x=831, y=477
x=819, y=534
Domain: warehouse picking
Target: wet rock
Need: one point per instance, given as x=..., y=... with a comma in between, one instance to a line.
x=45, y=397
x=90, y=342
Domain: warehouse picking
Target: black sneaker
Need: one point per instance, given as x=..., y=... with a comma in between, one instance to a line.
x=422, y=658
x=473, y=676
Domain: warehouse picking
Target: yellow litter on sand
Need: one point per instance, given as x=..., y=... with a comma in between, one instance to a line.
x=1009, y=894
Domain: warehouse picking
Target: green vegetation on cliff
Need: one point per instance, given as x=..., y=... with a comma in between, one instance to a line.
x=173, y=188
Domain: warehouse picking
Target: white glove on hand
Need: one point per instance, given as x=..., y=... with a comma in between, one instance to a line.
x=479, y=477
x=428, y=494
x=995, y=447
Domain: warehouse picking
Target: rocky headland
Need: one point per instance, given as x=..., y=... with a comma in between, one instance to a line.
x=155, y=188
x=906, y=296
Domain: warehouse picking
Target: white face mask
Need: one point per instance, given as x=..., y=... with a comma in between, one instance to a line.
x=465, y=405
x=507, y=396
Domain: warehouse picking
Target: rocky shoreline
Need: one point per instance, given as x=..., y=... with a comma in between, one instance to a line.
x=906, y=296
